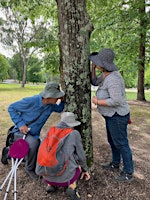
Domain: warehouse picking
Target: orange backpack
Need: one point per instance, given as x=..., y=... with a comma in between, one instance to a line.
x=51, y=159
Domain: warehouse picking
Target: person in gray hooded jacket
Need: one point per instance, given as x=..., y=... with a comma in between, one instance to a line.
x=77, y=166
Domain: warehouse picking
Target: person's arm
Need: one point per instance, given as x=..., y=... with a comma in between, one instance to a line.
x=96, y=80
x=115, y=91
x=81, y=158
x=15, y=110
x=99, y=102
x=59, y=106
x=93, y=73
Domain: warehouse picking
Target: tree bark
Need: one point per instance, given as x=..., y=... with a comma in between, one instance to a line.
x=74, y=31
x=141, y=68
x=24, y=72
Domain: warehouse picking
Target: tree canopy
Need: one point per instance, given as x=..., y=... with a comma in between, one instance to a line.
x=117, y=24
x=4, y=67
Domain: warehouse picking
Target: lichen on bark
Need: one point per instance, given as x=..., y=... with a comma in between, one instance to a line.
x=74, y=31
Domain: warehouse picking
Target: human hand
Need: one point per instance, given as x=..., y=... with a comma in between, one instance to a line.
x=85, y=175
x=94, y=100
x=93, y=66
x=24, y=129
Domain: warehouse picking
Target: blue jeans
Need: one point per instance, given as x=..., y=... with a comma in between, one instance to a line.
x=117, y=136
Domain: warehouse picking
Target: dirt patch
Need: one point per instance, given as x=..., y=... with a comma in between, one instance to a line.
x=102, y=185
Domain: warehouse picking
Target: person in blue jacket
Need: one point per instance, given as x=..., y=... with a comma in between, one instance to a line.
x=29, y=116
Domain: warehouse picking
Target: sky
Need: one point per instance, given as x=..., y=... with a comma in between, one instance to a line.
x=5, y=52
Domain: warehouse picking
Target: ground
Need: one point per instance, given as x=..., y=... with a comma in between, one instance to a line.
x=102, y=185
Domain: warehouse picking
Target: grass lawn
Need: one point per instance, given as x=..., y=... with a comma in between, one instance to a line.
x=132, y=94
x=10, y=93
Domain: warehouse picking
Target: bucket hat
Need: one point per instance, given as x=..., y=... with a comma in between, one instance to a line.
x=104, y=59
x=52, y=90
x=69, y=119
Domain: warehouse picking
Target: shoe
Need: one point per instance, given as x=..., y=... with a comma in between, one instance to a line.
x=124, y=177
x=5, y=155
x=73, y=194
x=110, y=166
x=51, y=188
x=32, y=174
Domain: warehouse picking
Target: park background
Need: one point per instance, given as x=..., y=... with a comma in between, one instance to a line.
x=51, y=40
x=102, y=184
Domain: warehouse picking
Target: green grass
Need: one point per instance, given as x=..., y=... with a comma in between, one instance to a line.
x=132, y=95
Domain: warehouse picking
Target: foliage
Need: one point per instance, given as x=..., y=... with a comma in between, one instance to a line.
x=4, y=67
x=16, y=69
x=147, y=77
x=34, y=72
x=117, y=26
x=27, y=29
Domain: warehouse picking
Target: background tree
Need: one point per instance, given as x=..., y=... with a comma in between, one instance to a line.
x=16, y=69
x=117, y=25
x=35, y=73
x=143, y=24
x=23, y=32
x=4, y=67
x=74, y=32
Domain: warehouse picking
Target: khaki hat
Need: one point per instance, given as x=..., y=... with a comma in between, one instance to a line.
x=69, y=119
x=52, y=90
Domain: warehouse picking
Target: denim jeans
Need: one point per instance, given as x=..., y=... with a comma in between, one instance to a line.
x=117, y=136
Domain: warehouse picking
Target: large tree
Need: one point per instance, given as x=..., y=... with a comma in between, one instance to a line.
x=74, y=32
x=24, y=30
x=143, y=23
x=4, y=67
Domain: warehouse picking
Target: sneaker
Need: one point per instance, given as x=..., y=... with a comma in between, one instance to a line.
x=110, y=166
x=51, y=188
x=124, y=177
x=5, y=155
x=73, y=194
x=32, y=174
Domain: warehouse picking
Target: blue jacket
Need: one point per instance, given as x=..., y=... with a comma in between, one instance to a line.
x=26, y=110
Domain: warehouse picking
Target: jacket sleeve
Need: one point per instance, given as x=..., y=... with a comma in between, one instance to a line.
x=15, y=110
x=58, y=107
x=97, y=80
x=81, y=158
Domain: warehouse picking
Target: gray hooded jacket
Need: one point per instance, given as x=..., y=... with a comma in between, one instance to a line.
x=73, y=149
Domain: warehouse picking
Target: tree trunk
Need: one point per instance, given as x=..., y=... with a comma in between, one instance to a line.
x=74, y=31
x=24, y=72
x=141, y=68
